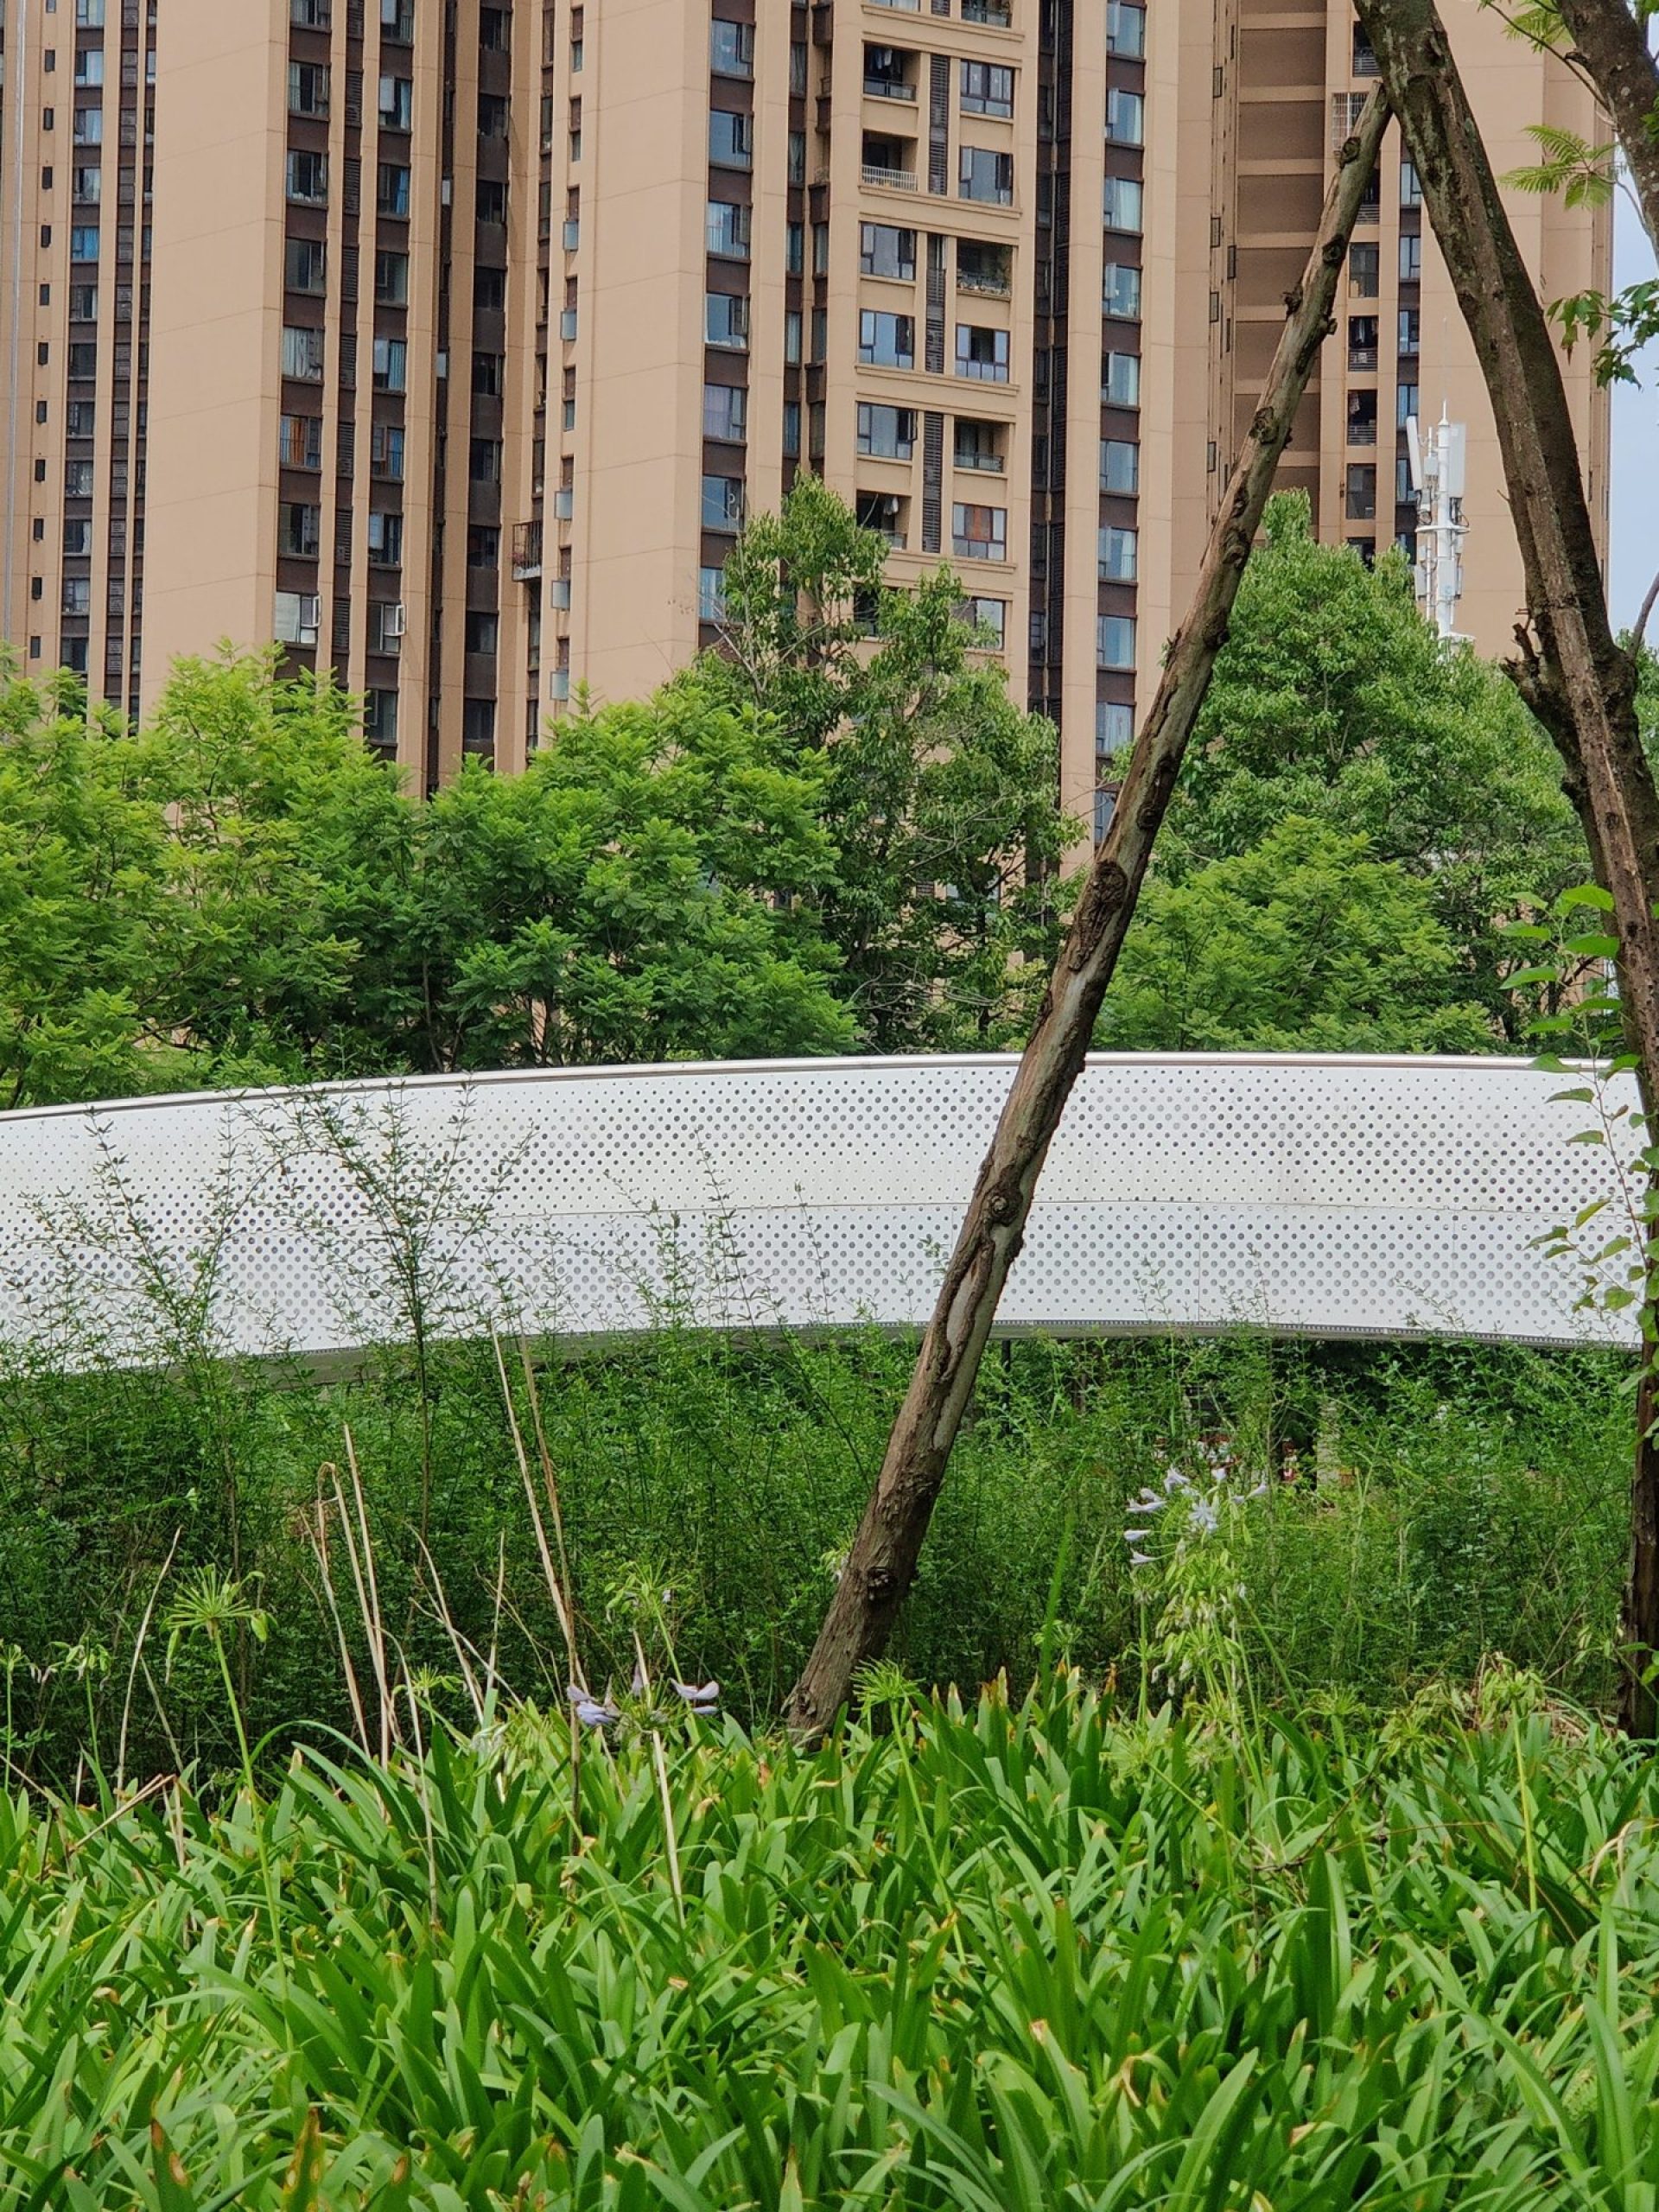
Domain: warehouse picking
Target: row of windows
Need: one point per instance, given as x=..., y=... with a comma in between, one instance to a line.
x=1365, y=265
x=303, y=355
x=888, y=341
x=397, y=18
x=306, y=270
x=889, y=434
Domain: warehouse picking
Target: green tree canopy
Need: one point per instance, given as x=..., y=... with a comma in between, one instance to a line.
x=1333, y=701
x=1306, y=942
x=942, y=794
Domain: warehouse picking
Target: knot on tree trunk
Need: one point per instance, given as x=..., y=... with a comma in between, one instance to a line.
x=1103, y=893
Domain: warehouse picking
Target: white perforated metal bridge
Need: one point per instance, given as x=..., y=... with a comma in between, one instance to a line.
x=1327, y=1197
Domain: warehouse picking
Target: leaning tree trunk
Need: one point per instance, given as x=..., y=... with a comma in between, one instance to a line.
x=1570, y=669
x=882, y=1561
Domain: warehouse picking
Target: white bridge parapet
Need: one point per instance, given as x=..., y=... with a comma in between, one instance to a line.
x=1350, y=1197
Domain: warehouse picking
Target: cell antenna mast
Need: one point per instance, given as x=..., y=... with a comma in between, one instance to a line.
x=1437, y=477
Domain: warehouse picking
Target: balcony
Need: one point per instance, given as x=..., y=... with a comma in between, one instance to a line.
x=997, y=13
x=886, y=179
x=888, y=88
x=526, y=551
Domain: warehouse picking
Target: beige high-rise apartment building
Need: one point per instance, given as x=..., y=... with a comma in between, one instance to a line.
x=476, y=327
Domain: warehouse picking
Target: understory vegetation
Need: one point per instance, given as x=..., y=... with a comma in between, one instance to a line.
x=967, y=1959
x=1424, y=1508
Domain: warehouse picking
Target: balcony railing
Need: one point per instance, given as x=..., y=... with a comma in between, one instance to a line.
x=889, y=179
x=997, y=12
x=1361, y=357
x=889, y=88
x=986, y=281
x=526, y=551
x=1362, y=433
x=990, y=463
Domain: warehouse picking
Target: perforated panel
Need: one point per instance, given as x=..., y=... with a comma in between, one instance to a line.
x=1320, y=1196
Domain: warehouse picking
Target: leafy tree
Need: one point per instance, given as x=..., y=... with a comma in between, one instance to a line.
x=630, y=896
x=80, y=866
x=944, y=905
x=1333, y=701
x=1306, y=942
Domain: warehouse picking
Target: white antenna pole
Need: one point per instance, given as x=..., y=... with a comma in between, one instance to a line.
x=1437, y=465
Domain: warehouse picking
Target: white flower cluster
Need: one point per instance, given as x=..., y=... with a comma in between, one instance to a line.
x=1195, y=1503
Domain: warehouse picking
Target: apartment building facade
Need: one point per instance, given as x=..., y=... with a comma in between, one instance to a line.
x=476, y=330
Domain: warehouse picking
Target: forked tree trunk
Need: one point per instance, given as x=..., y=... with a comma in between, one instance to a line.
x=1570, y=669
x=882, y=1564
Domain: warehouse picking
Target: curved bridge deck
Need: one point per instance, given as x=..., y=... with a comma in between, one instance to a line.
x=1324, y=1197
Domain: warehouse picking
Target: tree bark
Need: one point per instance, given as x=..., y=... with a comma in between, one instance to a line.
x=1569, y=669
x=882, y=1564
x=1613, y=48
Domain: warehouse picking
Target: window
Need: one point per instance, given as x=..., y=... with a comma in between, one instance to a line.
x=1411, y=188
x=89, y=126
x=987, y=88
x=305, y=265
x=978, y=445
x=793, y=335
x=380, y=719
x=889, y=432
x=731, y=140
x=1361, y=491
x=478, y=725
x=1117, y=555
x=81, y=419
x=1125, y=117
x=489, y=374
x=1365, y=62
x=307, y=178
x=1114, y=729
x=483, y=630
x=83, y=361
x=86, y=186
x=492, y=34
x=711, y=595
x=1119, y=379
x=1120, y=467
x=492, y=115
x=792, y=429
x=1120, y=292
x=77, y=540
x=979, y=533
x=982, y=353
x=731, y=49
x=392, y=279
x=77, y=596
x=299, y=443
x=398, y=104
x=820, y=249
x=387, y=451
x=385, y=538
x=1405, y=403
x=299, y=529
x=83, y=242
x=982, y=175
x=729, y=230
x=1115, y=641
x=483, y=546
x=1126, y=30
x=303, y=355
x=982, y=267
x=77, y=479
x=89, y=65
x=722, y=503
x=1364, y=271
x=1405, y=492
x=725, y=412
x=391, y=189
x=491, y=201
x=390, y=364
x=885, y=250
x=83, y=303
x=89, y=15
x=396, y=22
x=726, y=320
x=1411, y=324
x=797, y=157
x=1411, y=256
x=1120, y=204
x=294, y=619
x=990, y=616
x=886, y=342
x=311, y=14
x=489, y=290
x=484, y=462
x=308, y=88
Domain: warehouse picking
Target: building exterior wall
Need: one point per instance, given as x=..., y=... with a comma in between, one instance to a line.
x=477, y=329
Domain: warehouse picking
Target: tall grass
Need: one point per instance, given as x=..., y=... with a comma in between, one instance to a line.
x=984, y=1960
x=1448, y=1503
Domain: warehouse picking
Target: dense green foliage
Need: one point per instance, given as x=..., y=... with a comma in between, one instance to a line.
x=986, y=1961
x=1333, y=703
x=1449, y=1503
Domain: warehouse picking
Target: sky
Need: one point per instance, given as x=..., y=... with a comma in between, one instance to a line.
x=1635, y=552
